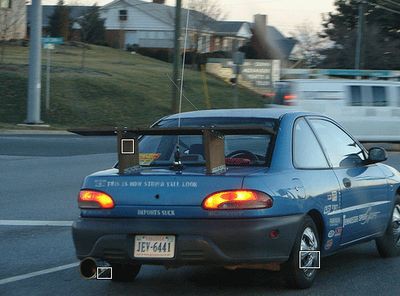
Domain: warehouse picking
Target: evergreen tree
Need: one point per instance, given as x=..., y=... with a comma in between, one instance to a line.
x=92, y=26
x=59, y=21
x=381, y=38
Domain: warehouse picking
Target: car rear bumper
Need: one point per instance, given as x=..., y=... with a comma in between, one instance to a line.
x=209, y=241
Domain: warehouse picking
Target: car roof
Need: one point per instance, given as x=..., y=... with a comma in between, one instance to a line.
x=274, y=113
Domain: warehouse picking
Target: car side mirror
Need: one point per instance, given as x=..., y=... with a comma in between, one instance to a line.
x=377, y=154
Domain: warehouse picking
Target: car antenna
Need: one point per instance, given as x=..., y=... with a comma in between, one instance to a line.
x=177, y=165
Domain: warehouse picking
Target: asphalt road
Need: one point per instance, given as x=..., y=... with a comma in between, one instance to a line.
x=39, y=180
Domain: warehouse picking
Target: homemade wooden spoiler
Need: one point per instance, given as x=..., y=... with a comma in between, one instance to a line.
x=213, y=142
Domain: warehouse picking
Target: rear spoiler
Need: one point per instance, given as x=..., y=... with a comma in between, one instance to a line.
x=213, y=142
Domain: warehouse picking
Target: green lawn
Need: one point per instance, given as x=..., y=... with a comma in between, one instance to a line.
x=115, y=88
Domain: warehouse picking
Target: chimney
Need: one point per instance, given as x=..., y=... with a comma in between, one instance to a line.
x=159, y=1
x=260, y=28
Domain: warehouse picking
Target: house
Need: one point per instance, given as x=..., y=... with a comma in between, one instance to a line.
x=230, y=35
x=12, y=19
x=151, y=25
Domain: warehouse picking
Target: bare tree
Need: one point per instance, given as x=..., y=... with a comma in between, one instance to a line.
x=207, y=12
x=12, y=24
x=309, y=45
x=92, y=29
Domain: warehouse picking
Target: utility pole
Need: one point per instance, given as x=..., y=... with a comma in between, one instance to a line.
x=360, y=32
x=177, y=57
x=35, y=64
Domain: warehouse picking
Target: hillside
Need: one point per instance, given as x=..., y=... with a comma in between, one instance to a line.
x=115, y=88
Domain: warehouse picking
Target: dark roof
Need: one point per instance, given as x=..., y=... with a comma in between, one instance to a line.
x=279, y=42
x=48, y=10
x=283, y=44
x=230, y=27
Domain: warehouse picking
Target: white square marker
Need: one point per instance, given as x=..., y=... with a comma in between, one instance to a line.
x=315, y=264
x=104, y=273
x=128, y=146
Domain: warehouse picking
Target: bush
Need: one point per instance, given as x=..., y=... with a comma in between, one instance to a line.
x=156, y=53
x=132, y=47
x=201, y=58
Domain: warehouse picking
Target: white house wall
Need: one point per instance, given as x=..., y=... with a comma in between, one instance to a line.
x=150, y=39
x=137, y=19
x=244, y=31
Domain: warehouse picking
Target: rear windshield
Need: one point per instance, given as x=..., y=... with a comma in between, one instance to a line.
x=240, y=150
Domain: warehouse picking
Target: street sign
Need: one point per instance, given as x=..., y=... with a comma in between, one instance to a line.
x=52, y=40
x=48, y=46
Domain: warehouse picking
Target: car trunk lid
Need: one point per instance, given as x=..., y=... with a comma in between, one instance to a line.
x=164, y=187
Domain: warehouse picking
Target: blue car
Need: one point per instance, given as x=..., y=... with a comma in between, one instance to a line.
x=244, y=188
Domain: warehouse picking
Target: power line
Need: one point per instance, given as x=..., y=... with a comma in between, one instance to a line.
x=393, y=2
x=384, y=7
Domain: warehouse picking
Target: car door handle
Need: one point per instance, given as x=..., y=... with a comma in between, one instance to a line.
x=347, y=182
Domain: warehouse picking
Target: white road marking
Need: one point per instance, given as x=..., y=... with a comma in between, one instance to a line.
x=37, y=273
x=34, y=223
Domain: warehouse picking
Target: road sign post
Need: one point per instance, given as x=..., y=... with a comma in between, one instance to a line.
x=49, y=44
x=49, y=48
x=238, y=61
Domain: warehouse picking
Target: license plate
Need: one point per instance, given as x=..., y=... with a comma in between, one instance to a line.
x=154, y=246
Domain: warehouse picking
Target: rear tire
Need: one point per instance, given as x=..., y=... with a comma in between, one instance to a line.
x=125, y=272
x=307, y=239
x=389, y=244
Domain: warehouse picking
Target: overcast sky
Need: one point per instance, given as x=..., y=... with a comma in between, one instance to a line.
x=283, y=14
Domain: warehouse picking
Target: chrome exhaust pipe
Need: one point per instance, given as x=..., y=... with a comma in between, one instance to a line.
x=88, y=267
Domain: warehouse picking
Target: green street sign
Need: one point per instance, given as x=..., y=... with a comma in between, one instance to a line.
x=52, y=40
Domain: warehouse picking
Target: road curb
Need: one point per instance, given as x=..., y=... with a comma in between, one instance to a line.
x=8, y=132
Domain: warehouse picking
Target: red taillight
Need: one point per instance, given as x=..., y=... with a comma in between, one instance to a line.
x=237, y=200
x=90, y=199
x=289, y=99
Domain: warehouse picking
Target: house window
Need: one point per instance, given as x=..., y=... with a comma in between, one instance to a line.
x=217, y=43
x=5, y=3
x=225, y=44
x=123, y=15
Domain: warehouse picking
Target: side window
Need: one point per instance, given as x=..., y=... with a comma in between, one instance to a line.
x=379, y=96
x=355, y=91
x=307, y=153
x=341, y=149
